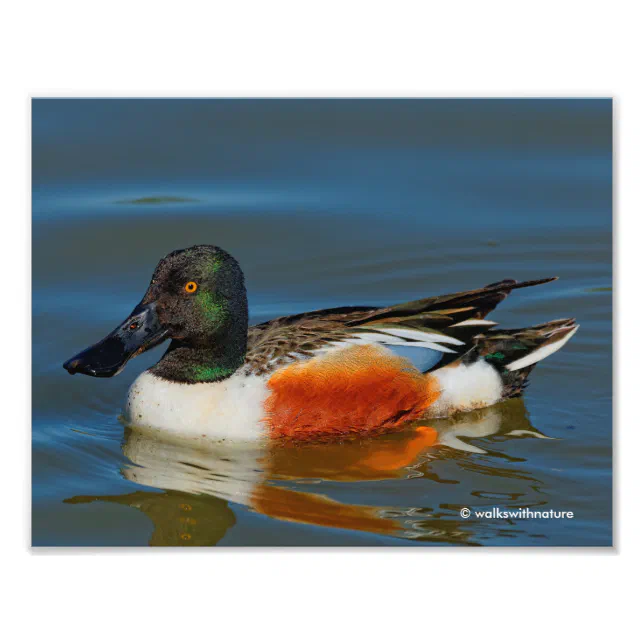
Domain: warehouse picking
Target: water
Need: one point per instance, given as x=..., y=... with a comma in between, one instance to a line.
x=324, y=203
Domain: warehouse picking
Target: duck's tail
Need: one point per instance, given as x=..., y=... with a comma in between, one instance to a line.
x=515, y=352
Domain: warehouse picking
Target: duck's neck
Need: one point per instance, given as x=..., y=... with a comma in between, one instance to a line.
x=210, y=361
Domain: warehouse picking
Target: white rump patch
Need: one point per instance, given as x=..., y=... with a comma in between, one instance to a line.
x=541, y=352
x=466, y=387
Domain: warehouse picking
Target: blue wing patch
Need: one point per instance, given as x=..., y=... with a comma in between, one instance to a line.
x=422, y=358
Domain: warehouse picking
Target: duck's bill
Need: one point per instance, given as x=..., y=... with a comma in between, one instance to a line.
x=138, y=333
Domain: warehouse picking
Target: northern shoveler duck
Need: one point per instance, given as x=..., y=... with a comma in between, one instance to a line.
x=346, y=370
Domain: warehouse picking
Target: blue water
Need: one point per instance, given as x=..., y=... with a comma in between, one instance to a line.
x=324, y=203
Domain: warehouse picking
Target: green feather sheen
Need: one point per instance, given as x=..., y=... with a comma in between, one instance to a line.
x=212, y=306
x=211, y=373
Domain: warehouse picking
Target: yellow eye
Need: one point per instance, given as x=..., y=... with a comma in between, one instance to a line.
x=190, y=287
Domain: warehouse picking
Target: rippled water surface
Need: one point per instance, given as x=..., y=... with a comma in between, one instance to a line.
x=324, y=203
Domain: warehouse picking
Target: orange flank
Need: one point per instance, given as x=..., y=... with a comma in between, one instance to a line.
x=358, y=390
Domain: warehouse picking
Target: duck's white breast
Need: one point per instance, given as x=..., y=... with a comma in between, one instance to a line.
x=232, y=409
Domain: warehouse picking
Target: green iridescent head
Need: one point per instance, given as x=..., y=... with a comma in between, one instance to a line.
x=199, y=294
x=200, y=301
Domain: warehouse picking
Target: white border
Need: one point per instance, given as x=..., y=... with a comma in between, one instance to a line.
x=563, y=48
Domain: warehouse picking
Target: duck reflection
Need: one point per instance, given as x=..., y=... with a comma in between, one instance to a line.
x=201, y=480
x=179, y=519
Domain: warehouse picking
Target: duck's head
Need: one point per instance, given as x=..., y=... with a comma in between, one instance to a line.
x=196, y=297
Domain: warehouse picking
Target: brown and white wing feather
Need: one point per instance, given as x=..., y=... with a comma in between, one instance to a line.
x=445, y=324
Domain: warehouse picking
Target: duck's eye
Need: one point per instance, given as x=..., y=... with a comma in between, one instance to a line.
x=190, y=287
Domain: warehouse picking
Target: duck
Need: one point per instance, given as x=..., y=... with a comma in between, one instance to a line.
x=319, y=375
